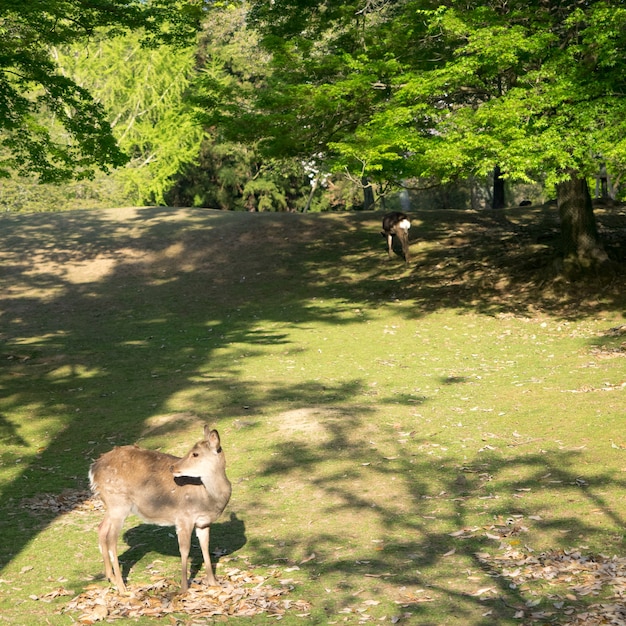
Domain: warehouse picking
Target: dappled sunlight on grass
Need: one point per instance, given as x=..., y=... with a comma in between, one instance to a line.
x=383, y=425
x=419, y=522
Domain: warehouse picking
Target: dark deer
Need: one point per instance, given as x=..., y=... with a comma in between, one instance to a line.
x=165, y=490
x=398, y=224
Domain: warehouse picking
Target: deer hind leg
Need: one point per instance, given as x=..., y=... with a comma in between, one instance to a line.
x=390, y=245
x=184, y=546
x=203, y=538
x=108, y=533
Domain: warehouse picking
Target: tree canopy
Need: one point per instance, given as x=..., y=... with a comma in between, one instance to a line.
x=50, y=125
x=383, y=91
x=144, y=88
x=416, y=88
x=440, y=90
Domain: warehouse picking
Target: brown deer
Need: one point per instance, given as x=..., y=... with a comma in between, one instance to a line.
x=165, y=490
x=398, y=224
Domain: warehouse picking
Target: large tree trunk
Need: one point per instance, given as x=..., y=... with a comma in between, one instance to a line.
x=498, y=189
x=582, y=249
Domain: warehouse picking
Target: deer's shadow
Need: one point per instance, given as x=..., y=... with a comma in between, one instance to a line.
x=226, y=538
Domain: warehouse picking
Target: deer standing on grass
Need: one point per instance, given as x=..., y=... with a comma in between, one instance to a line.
x=165, y=490
x=398, y=224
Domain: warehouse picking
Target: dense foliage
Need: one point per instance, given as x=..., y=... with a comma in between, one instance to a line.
x=234, y=170
x=50, y=125
x=144, y=88
x=439, y=90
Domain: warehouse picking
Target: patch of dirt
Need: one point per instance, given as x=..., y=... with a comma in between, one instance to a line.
x=308, y=422
x=158, y=425
x=89, y=271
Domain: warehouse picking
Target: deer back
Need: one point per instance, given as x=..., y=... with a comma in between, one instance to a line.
x=133, y=480
x=395, y=222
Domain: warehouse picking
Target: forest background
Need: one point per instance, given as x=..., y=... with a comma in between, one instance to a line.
x=294, y=105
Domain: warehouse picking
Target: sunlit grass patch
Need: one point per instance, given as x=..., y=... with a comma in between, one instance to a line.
x=393, y=434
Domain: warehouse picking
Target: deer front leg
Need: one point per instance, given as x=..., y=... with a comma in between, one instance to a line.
x=184, y=545
x=403, y=236
x=203, y=538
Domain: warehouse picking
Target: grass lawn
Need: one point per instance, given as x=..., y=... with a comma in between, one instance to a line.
x=438, y=443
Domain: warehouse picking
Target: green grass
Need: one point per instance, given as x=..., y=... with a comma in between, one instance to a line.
x=369, y=411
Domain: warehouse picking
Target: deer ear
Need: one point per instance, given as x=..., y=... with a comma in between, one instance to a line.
x=207, y=432
x=214, y=440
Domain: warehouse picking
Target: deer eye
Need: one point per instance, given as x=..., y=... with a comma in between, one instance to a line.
x=194, y=454
x=219, y=449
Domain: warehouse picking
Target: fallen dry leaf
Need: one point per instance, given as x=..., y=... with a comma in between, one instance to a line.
x=242, y=593
x=484, y=590
x=571, y=575
x=65, y=502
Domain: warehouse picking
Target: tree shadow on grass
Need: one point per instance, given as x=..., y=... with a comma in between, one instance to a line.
x=9, y=433
x=611, y=344
x=440, y=528
x=116, y=315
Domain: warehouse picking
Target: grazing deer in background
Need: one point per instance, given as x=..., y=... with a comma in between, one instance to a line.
x=165, y=490
x=398, y=224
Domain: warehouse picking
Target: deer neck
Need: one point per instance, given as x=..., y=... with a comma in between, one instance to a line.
x=218, y=487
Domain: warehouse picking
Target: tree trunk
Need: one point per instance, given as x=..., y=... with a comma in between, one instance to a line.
x=582, y=249
x=314, y=184
x=498, y=189
x=368, y=194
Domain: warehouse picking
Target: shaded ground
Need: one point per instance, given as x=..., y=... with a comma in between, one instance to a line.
x=483, y=260
x=494, y=261
x=107, y=319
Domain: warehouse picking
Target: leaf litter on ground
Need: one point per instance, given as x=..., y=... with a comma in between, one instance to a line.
x=571, y=575
x=242, y=593
x=565, y=578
